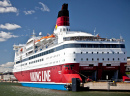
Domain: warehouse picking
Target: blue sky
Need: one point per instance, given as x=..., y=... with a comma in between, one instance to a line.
x=18, y=18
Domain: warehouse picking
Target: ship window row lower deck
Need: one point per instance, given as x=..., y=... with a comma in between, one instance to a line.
x=101, y=52
x=97, y=59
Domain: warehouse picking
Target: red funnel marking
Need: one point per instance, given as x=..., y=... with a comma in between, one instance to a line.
x=63, y=21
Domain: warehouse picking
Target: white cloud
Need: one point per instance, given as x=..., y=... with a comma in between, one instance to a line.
x=6, y=7
x=5, y=3
x=29, y=12
x=5, y=36
x=6, y=67
x=9, y=26
x=2, y=39
x=44, y=7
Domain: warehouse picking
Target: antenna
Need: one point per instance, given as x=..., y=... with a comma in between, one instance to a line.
x=121, y=37
x=33, y=35
x=33, y=32
x=94, y=31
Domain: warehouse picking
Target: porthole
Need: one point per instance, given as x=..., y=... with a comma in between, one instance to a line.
x=81, y=59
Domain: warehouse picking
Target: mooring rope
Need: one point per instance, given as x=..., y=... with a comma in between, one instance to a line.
x=80, y=73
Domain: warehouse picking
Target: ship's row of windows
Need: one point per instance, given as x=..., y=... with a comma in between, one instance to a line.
x=73, y=46
x=98, y=59
x=23, y=64
x=99, y=52
x=90, y=65
x=94, y=46
x=40, y=60
x=36, y=61
x=64, y=29
x=53, y=56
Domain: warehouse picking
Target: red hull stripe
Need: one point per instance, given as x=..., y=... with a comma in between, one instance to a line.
x=57, y=74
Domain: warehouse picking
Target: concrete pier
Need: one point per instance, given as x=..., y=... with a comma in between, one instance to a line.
x=107, y=86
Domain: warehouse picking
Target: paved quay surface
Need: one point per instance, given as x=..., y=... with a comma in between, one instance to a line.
x=105, y=86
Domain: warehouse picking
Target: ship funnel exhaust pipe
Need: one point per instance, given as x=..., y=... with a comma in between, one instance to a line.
x=63, y=16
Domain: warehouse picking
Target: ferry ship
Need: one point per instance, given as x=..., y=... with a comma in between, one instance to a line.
x=52, y=61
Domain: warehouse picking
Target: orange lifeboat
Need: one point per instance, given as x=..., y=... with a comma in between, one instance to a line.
x=51, y=36
x=37, y=40
x=46, y=37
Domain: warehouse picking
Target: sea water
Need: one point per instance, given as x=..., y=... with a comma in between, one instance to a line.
x=15, y=89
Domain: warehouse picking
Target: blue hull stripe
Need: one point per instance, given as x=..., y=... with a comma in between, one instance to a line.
x=47, y=86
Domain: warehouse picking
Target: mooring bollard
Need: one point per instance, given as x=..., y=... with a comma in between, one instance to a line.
x=75, y=84
x=108, y=86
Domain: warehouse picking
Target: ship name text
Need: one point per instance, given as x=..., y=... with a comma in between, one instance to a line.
x=40, y=76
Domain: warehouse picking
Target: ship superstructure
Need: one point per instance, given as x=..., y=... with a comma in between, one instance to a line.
x=52, y=61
